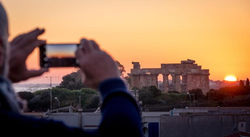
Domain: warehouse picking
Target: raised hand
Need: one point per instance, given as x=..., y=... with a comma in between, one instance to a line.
x=95, y=64
x=20, y=48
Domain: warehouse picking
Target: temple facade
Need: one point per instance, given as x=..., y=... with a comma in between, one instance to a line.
x=180, y=77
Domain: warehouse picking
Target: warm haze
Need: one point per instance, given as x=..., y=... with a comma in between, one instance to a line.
x=214, y=33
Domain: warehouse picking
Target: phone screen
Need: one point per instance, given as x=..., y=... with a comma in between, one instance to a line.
x=59, y=55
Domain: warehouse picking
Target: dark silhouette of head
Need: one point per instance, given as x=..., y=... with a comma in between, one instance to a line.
x=4, y=34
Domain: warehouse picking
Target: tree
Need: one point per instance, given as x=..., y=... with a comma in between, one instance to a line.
x=149, y=95
x=197, y=93
x=72, y=81
x=94, y=102
x=215, y=95
x=25, y=95
x=121, y=68
x=40, y=102
x=241, y=83
x=128, y=79
x=247, y=83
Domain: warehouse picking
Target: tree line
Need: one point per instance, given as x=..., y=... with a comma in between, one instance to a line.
x=71, y=92
x=153, y=99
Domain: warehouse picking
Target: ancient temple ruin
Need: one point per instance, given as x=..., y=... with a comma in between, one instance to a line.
x=180, y=77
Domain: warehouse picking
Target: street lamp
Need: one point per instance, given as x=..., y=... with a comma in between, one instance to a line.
x=50, y=93
x=56, y=98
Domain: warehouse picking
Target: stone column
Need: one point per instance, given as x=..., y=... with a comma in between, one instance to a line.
x=142, y=81
x=135, y=81
x=177, y=83
x=171, y=86
x=154, y=81
x=148, y=80
x=165, y=82
x=184, y=83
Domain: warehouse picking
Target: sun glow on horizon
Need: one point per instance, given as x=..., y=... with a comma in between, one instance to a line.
x=230, y=78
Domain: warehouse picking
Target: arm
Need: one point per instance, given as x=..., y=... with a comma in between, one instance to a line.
x=14, y=123
x=120, y=113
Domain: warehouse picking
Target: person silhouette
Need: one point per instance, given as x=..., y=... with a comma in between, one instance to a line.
x=120, y=113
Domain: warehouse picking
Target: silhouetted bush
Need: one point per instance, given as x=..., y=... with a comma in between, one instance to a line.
x=174, y=92
x=148, y=95
x=197, y=94
x=25, y=95
x=41, y=100
x=72, y=81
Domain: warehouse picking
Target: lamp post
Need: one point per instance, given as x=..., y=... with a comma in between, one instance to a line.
x=58, y=101
x=50, y=92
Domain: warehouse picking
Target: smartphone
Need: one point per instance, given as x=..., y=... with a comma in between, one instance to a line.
x=58, y=55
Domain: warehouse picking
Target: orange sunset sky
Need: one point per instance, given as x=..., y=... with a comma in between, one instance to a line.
x=215, y=33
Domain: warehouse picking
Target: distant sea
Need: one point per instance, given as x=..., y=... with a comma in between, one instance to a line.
x=31, y=87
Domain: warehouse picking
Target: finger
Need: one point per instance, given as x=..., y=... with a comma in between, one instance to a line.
x=35, y=73
x=30, y=47
x=87, y=46
x=31, y=36
x=94, y=44
x=91, y=46
x=17, y=39
x=83, y=44
x=35, y=33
